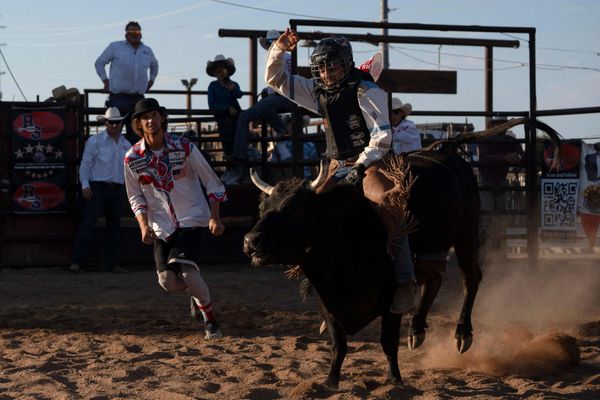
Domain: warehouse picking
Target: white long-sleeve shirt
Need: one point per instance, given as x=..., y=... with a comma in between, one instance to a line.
x=128, y=67
x=405, y=137
x=102, y=159
x=166, y=187
x=372, y=101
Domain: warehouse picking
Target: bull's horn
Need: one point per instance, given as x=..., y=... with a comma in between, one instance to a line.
x=262, y=185
x=323, y=167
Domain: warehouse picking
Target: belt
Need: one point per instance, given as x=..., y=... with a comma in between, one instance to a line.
x=132, y=95
x=108, y=184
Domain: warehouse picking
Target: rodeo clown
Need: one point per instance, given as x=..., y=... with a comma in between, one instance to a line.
x=163, y=178
x=358, y=132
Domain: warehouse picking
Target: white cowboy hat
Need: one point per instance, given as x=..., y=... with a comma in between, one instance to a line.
x=111, y=114
x=272, y=36
x=397, y=104
x=220, y=61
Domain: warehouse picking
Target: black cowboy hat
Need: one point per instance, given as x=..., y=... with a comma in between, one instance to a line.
x=147, y=105
x=220, y=61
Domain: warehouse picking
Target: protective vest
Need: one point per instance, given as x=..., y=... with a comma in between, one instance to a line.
x=346, y=133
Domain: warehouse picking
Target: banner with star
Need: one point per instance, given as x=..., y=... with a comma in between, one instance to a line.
x=38, y=160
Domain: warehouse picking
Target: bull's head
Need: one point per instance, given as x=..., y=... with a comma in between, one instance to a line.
x=287, y=222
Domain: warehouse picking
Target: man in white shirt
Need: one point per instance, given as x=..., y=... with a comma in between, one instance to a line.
x=405, y=135
x=164, y=175
x=130, y=62
x=103, y=190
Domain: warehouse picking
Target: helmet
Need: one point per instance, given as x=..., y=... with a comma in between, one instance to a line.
x=331, y=62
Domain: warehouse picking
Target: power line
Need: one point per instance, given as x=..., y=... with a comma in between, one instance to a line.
x=448, y=66
x=335, y=19
x=11, y=74
x=1, y=72
x=519, y=64
x=274, y=11
x=597, y=53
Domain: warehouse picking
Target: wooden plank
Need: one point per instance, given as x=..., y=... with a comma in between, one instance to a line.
x=411, y=80
x=418, y=81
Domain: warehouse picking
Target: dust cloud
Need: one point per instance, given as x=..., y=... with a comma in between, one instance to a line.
x=525, y=320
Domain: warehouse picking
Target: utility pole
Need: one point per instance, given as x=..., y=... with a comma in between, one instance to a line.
x=384, y=32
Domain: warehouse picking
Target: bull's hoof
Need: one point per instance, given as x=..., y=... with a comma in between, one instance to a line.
x=396, y=381
x=332, y=384
x=463, y=343
x=415, y=340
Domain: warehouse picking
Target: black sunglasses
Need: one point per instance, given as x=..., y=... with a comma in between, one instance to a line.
x=113, y=123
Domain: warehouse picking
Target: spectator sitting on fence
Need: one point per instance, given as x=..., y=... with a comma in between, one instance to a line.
x=405, y=135
x=283, y=150
x=265, y=110
x=222, y=100
x=103, y=189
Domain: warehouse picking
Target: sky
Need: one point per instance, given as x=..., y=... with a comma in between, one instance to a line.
x=51, y=43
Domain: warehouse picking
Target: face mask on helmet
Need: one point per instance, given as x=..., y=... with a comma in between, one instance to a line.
x=331, y=63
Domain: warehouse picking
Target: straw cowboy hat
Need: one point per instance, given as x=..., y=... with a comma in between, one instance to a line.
x=64, y=94
x=397, y=104
x=220, y=61
x=272, y=36
x=111, y=114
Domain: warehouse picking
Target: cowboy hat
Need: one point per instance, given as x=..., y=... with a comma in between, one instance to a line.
x=147, y=105
x=266, y=41
x=62, y=92
x=111, y=114
x=220, y=61
x=397, y=104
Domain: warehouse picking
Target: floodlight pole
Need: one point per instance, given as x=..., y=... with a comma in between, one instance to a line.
x=188, y=85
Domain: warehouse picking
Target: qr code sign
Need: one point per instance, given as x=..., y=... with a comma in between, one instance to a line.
x=559, y=203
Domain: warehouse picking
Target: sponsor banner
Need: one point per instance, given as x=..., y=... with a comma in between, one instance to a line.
x=568, y=165
x=589, y=180
x=559, y=204
x=38, y=170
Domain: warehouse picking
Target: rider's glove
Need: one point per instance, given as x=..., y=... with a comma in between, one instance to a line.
x=356, y=175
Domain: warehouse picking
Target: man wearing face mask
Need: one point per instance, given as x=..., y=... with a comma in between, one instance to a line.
x=133, y=69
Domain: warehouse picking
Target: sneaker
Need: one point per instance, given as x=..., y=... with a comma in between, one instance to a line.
x=212, y=330
x=195, y=311
x=75, y=267
x=404, y=298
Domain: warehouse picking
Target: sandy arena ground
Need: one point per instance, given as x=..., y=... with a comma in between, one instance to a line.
x=107, y=336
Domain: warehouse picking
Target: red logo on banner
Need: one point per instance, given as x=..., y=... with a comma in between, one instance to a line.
x=38, y=196
x=38, y=125
x=569, y=161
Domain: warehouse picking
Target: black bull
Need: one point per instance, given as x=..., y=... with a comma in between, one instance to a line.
x=340, y=244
